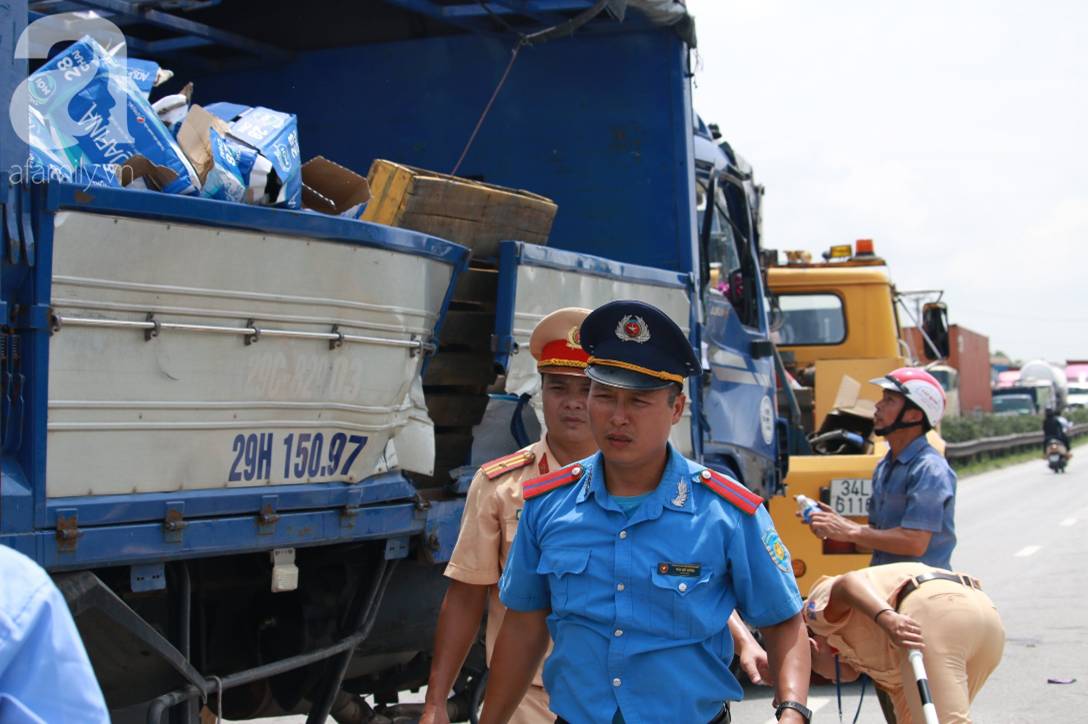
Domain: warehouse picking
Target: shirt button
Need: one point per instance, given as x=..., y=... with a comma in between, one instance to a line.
x=616, y=681
x=683, y=587
x=618, y=632
x=623, y=534
x=620, y=586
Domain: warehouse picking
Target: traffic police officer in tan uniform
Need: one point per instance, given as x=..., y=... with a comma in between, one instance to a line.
x=870, y=617
x=494, y=506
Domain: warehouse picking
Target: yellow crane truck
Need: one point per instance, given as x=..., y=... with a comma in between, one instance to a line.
x=836, y=327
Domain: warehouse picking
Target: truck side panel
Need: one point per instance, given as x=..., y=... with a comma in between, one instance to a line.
x=140, y=284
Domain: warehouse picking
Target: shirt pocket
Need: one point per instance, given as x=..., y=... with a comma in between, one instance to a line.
x=566, y=569
x=681, y=601
x=509, y=529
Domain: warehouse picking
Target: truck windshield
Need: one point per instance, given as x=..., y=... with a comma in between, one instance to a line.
x=1014, y=404
x=947, y=378
x=811, y=319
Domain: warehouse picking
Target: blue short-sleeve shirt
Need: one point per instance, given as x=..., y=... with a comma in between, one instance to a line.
x=45, y=675
x=916, y=490
x=639, y=605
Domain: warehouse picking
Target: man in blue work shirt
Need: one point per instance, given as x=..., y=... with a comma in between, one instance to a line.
x=45, y=675
x=635, y=557
x=913, y=506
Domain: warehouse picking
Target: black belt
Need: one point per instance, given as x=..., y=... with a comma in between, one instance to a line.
x=723, y=717
x=912, y=584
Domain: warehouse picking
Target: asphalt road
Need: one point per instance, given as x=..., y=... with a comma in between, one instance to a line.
x=1024, y=532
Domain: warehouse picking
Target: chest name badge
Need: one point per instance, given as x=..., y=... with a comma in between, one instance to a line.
x=686, y=570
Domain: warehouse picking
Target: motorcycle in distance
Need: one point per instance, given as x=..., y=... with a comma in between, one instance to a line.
x=1057, y=455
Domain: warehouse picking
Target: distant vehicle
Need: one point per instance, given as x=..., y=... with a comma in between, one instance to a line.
x=1057, y=456
x=968, y=389
x=950, y=382
x=1042, y=373
x=1014, y=404
x=1078, y=395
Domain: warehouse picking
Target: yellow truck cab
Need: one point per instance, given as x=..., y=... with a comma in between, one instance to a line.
x=836, y=327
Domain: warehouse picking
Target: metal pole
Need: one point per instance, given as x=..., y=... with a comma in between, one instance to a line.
x=929, y=711
x=364, y=617
x=185, y=607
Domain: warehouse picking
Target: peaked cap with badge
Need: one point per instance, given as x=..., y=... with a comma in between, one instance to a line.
x=555, y=343
x=636, y=346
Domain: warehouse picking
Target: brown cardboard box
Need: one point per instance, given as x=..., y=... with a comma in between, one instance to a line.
x=333, y=189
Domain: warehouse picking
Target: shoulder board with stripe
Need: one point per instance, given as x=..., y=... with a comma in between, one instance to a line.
x=731, y=490
x=503, y=465
x=551, y=481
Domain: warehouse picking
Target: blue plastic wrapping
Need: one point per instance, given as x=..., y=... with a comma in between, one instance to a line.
x=86, y=111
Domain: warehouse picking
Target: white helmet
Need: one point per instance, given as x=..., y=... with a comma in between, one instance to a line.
x=919, y=387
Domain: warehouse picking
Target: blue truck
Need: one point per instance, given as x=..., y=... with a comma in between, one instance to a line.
x=239, y=437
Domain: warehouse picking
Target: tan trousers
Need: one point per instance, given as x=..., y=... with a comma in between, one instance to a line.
x=964, y=641
x=533, y=709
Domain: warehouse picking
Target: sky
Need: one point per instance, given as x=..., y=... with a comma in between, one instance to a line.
x=954, y=134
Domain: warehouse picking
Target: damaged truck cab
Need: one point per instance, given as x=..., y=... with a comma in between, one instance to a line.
x=238, y=436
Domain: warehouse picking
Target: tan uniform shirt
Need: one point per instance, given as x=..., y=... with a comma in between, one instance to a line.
x=487, y=532
x=856, y=636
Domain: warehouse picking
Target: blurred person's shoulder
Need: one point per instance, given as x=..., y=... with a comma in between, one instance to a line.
x=22, y=580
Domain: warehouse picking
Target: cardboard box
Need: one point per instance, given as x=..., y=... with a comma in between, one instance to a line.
x=274, y=135
x=472, y=213
x=222, y=164
x=333, y=189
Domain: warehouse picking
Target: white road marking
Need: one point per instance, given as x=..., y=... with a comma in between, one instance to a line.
x=815, y=703
x=1068, y=522
x=1027, y=551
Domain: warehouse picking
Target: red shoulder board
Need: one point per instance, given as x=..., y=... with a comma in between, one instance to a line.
x=731, y=490
x=551, y=481
x=505, y=464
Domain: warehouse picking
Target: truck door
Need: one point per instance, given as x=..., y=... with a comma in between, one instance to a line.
x=738, y=398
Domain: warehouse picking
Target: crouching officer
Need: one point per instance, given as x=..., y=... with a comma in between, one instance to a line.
x=634, y=558
x=871, y=617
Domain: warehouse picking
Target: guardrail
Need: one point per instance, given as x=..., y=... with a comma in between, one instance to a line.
x=970, y=449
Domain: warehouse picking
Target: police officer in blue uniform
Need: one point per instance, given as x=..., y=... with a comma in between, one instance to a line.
x=634, y=558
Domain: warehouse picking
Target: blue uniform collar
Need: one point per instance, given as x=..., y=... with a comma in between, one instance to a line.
x=912, y=450
x=674, y=491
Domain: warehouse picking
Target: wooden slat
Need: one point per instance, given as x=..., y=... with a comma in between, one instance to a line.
x=465, y=329
x=480, y=286
x=453, y=410
x=460, y=369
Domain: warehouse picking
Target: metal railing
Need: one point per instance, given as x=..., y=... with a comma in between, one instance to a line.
x=1003, y=444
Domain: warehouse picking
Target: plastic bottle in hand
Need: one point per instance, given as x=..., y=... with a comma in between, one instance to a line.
x=807, y=506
